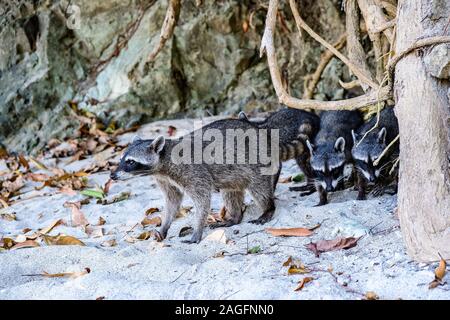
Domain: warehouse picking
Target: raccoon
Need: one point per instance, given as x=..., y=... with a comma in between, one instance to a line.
x=367, y=150
x=296, y=126
x=199, y=178
x=331, y=149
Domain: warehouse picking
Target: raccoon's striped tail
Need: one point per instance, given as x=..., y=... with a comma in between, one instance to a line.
x=294, y=148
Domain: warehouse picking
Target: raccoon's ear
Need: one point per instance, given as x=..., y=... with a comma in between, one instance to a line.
x=354, y=136
x=382, y=135
x=310, y=146
x=136, y=139
x=242, y=116
x=158, y=144
x=339, y=145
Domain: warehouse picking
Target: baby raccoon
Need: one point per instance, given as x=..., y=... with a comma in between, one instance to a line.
x=296, y=126
x=368, y=150
x=177, y=171
x=331, y=149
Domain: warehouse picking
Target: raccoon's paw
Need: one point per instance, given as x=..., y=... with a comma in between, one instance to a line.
x=260, y=220
x=221, y=224
x=196, y=238
x=159, y=236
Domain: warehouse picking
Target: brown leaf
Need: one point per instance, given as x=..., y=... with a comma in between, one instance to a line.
x=154, y=221
x=109, y=243
x=289, y=232
x=62, y=240
x=8, y=216
x=285, y=180
x=107, y=186
x=94, y=232
x=62, y=274
x=25, y=244
x=37, y=177
x=331, y=245
x=51, y=226
x=151, y=211
x=370, y=295
x=217, y=235
x=78, y=218
x=171, y=131
x=145, y=235
x=302, y=283
x=24, y=162
x=287, y=262
x=101, y=221
x=439, y=273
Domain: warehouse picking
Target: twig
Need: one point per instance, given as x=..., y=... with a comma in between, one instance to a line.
x=325, y=58
x=168, y=27
x=375, y=163
x=355, y=69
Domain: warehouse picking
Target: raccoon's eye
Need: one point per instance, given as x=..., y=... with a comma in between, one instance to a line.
x=130, y=162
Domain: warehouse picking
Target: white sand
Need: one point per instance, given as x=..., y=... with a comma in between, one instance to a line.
x=148, y=270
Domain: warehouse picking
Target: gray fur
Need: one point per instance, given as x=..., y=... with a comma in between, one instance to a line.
x=199, y=180
x=331, y=149
x=368, y=150
x=296, y=128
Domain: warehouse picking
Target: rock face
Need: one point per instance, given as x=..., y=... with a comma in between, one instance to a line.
x=94, y=53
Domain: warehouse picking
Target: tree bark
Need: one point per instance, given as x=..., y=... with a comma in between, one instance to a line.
x=423, y=111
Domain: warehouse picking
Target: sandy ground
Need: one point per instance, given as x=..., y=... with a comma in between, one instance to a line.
x=174, y=270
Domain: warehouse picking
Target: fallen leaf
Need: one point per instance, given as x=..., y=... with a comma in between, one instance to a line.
x=171, y=131
x=302, y=283
x=25, y=244
x=151, y=211
x=62, y=240
x=51, y=226
x=331, y=245
x=256, y=249
x=78, y=218
x=99, y=194
x=20, y=238
x=101, y=221
x=145, y=235
x=290, y=232
x=8, y=216
x=38, y=164
x=153, y=221
x=217, y=235
x=121, y=197
x=298, y=178
x=107, y=186
x=62, y=274
x=287, y=262
x=24, y=162
x=439, y=274
x=285, y=180
x=7, y=243
x=94, y=232
x=370, y=295
x=109, y=243
x=185, y=231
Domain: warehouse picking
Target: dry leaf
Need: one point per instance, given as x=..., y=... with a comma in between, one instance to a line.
x=8, y=216
x=145, y=235
x=109, y=243
x=93, y=232
x=287, y=262
x=439, y=274
x=302, y=283
x=20, y=238
x=25, y=244
x=217, y=235
x=285, y=180
x=290, y=232
x=51, y=226
x=151, y=211
x=62, y=240
x=331, y=245
x=370, y=295
x=62, y=274
x=171, y=131
x=107, y=186
x=154, y=221
x=101, y=221
x=78, y=218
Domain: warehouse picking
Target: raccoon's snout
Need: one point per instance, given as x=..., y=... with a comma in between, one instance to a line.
x=372, y=178
x=114, y=176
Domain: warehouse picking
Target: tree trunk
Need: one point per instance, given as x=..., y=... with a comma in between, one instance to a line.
x=422, y=93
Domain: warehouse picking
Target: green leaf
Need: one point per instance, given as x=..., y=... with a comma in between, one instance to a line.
x=254, y=250
x=99, y=194
x=298, y=178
